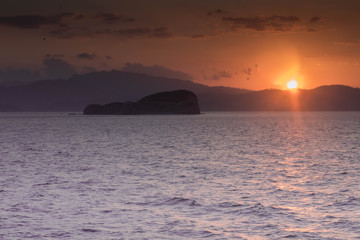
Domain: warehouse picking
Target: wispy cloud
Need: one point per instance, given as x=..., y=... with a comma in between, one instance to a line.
x=315, y=19
x=147, y=32
x=113, y=18
x=274, y=23
x=73, y=25
x=347, y=43
x=218, y=75
x=34, y=21
x=198, y=36
x=216, y=12
x=63, y=31
x=87, y=56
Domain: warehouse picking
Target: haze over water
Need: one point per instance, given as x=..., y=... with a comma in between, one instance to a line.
x=245, y=175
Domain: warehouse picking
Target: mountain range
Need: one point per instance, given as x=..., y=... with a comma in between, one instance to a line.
x=78, y=91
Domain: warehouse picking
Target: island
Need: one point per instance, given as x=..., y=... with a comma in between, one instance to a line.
x=172, y=102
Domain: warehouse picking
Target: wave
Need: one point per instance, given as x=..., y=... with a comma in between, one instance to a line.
x=179, y=200
x=229, y=205
x=349, y=201
x=169, y=202
x=90, y=230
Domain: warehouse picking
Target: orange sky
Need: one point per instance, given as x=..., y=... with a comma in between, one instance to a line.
x=254, y=44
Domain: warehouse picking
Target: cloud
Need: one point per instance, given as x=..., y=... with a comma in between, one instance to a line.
x=311, y=30
x=219, y=74
x=247, y=71
x=72, y=25
x=156, y=70
x=63, y=31
x=274, y=23
x=284, y=18
x=347, y=43
x=198, y=36
x=250, y=71
x=56, y=68
x=315, y=19
x=159, y=32
x=54, y=55
x=256, y=24
x=33, y=21
x=108, y=57
x=87, y=56
x=19, y=75
x=216, y=12
x=112, y=18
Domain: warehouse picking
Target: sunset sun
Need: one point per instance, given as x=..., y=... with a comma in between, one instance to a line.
x=292, y=84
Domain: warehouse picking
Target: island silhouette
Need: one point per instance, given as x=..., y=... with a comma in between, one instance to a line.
x=174, y=102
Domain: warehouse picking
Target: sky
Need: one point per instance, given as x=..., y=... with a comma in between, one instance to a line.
x=251, y=44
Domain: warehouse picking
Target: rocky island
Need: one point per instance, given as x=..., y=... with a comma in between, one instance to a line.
x=173, y=102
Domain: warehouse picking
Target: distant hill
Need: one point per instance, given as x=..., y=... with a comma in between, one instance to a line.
x=75, y=93
x=324, y=98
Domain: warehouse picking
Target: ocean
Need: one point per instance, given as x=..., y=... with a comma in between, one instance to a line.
x=217, y=175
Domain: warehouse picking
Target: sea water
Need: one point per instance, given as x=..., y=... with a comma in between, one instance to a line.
x=218, y=175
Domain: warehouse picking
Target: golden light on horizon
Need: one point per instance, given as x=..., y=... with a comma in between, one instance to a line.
x=292, y=84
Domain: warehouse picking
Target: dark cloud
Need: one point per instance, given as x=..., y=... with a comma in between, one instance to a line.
x=62, y=31
x=33, y=21
x=347, y=43
x=250, y=71
x=284, y=18
x=198, y=36
x=36, y=21
x=156, y=70
x=54, y=55
x=56, y=68
x=66, y=32
x=160, y=32
x=219, y=74
x=315, y=19
x=256, y=24
x=108, y=57
x=216, y=12
x=72, y=25
x=278, y=27
x=87, y=56
x=247, y=72
x=112, y=18
x=79, y=17
x=273, y=23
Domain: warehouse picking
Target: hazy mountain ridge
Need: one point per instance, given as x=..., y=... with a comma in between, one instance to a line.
x=324, y=98
x=75, y=93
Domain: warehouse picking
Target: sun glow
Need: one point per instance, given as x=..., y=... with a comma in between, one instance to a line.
x=292, y=84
